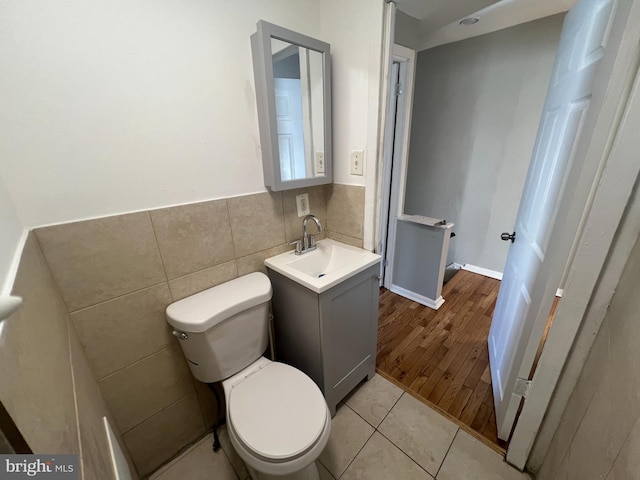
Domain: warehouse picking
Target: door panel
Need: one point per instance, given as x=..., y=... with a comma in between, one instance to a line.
x=582, y=44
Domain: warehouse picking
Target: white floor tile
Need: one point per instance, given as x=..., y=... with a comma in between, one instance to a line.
x=200, y=462
x=420, y=432
x=373, y=399
x=470, y=459
x=349, y=433
x=382, y=460
x=236, y=462
x=324, y=473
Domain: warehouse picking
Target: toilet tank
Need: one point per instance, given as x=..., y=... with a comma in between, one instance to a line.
x=225, y=328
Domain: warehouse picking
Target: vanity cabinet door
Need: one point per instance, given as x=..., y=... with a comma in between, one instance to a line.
x=349, y=313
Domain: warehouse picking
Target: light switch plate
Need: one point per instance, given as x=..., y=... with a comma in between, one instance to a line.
x=302, y=201
x=319, y=162
x=357, y=162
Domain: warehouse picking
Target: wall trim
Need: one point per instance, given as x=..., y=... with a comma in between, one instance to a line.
x=427, y=302
x=15, y=263
x=482, y=271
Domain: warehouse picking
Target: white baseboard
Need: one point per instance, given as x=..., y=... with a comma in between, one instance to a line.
x=427, y=302
x=482, y=271
x=493, y=274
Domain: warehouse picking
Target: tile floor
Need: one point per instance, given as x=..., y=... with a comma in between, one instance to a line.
x=380, y=432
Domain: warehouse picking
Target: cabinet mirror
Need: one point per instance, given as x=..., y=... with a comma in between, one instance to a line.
x=293, y=93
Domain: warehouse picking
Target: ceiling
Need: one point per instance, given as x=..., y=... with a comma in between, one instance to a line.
x=439, y=19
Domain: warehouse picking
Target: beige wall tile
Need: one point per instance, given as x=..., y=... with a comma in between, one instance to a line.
x=293, y=223
x=193, y=237
x=338, y=237
x=146, y=387
x=96, y=260
x=257, y=222
x=277, y=250
x=96, y=461
x=158, y=438
x=207, y=402
x=251, y=263
x=124, y=330
x=196, y=282
x=345, y=209
x=627, y=463
x=36, y=386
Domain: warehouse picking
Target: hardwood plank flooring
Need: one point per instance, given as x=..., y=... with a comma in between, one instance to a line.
x=441, y=356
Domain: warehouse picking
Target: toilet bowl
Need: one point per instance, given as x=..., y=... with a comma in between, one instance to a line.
x=277, y=418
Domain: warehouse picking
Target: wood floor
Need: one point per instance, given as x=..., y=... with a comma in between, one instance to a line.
x=441, y=356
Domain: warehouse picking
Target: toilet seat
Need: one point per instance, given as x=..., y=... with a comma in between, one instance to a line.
x=277, y=412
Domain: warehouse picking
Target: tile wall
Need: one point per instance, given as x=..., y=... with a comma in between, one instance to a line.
x=47, y=385
x=118, y=274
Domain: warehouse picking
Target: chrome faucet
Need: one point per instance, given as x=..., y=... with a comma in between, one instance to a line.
x=308, y=241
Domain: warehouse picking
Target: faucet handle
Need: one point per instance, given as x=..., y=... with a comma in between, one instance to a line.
x=312, y=240
x=298, y=244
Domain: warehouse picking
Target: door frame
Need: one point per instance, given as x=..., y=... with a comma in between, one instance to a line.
x=607, y=198
x=395, y=158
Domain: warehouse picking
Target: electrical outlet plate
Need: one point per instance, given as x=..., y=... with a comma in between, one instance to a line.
x=302, y=201
x=319, y=163
x=357, y=162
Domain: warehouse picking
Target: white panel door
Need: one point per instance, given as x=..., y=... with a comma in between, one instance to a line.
x=290, y=130
x=582, y=45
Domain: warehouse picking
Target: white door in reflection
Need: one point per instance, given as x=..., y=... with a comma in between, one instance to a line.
x=290, y=128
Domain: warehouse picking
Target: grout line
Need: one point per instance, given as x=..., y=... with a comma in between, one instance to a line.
x=122, y=433
x=163, y=348
x=406, y=454
x=448, y=450
x=233, y=241
x=34, y=235
x=357, y=453
x=102, y=302
x=392, y=407
x=155, y=236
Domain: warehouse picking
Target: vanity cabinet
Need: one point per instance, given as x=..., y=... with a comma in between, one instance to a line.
x=330, y=336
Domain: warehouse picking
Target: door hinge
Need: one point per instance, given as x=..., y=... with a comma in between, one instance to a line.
x=398, y=90
x=522, y=387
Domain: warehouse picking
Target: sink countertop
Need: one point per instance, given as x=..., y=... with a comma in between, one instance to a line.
x=329, y=264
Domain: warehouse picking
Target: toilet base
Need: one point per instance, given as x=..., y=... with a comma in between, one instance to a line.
x=309, y=473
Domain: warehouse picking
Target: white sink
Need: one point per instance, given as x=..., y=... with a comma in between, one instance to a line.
x=329, y=264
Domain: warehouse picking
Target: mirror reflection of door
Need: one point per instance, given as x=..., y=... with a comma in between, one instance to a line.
x=298, y=88
x=289, y=116
x=290, y=132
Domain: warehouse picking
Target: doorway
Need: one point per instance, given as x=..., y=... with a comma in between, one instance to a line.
x=472, y=155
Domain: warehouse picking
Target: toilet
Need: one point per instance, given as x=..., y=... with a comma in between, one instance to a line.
x=277, y=418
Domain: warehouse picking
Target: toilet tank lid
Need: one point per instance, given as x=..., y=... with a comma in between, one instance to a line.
x=203, y=310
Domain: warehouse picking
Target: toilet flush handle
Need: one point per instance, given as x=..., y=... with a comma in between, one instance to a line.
x=180, y=335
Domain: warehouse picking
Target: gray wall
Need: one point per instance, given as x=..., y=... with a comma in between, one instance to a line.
x=476, y=109
x=599, y=433
x=407, y=30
